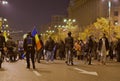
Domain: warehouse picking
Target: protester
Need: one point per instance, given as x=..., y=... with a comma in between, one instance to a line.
x=103, y=48
x=90, y=45
x=69, y=43
x=49, y=47
x=40, y=51
x=29, y=48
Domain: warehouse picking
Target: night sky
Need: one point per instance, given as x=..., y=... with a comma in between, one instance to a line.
x=25, y=14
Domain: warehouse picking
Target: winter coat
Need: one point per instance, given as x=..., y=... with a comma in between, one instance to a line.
x=25, y=44
x=69, y=42
x=49, y=45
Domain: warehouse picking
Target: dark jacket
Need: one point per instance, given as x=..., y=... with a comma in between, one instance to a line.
x=101, y=43
x=25, y=45
x=69, y=42
x=61, y=46
x=49, y=45
x=90, y=45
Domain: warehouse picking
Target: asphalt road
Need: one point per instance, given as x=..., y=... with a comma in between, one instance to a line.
x=59, y=71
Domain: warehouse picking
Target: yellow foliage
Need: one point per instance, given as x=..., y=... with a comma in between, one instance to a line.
x=101, y=26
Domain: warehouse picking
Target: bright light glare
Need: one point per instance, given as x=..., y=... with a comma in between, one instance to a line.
x=109, y=4
x=116, y=23
x=4, y=2
x=65, y=20
x=5, y=19
x=6, y=25
x=74, y=20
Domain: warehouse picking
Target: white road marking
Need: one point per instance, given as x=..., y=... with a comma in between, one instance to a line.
x=37, y=73
x=86, y=72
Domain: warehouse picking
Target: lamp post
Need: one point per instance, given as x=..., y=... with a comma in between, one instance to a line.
x=109, y=5
x=59, y=28
x=69, y=22
x=109, y=12
x=50, y=32
x=70, y=25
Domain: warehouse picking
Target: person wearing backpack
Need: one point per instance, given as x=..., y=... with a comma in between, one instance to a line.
x=29, y=48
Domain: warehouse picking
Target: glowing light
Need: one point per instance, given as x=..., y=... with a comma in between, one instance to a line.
x=4, y=2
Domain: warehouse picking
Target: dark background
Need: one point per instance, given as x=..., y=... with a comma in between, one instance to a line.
x=25, y=14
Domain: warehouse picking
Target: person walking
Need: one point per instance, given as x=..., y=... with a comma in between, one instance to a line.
x=29, y=48
x=90, y=49
x=103, y=48
x=40, y=51
x=69, y=43
x=49, y=47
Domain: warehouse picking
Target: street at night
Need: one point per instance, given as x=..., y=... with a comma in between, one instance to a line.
x=59, y=40
x=59, y=71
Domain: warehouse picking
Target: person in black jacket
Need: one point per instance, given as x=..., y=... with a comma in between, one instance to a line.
x=29, y=48
x=90, y=45
x=69, y=49
x=49, y=47
x=103, y=48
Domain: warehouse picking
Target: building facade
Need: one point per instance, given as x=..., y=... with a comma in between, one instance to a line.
x=87, y=11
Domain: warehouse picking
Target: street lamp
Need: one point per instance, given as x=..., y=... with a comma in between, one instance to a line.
x=69, y=23
x=59, y=28
x=70, y=26
x=50, y=32
x=4, y=2
x=109, y=12
x=109, y=4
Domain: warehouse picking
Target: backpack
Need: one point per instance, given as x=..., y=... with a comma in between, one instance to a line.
x=29, y=42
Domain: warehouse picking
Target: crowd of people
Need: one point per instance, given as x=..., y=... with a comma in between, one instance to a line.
x=66, y=49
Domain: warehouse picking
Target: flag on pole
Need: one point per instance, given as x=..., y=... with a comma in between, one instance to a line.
x=37, y=40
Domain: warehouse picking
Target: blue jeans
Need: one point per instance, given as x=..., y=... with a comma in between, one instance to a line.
x=69, y=56
x=49, y=55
